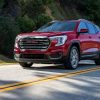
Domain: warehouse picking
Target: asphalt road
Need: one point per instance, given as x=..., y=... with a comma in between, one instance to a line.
x=50, y=82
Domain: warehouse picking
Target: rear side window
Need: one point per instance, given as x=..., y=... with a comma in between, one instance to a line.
x=82, y=25
x=97, y=28
x=91, y=28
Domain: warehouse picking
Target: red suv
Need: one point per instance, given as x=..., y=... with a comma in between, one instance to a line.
x=64, y=42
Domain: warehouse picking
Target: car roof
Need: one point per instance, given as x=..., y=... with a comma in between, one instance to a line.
x=78, y=20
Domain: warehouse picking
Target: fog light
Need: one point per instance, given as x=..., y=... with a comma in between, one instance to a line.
x=57, y=55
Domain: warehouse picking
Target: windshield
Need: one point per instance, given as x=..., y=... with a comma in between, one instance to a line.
x=58, y=27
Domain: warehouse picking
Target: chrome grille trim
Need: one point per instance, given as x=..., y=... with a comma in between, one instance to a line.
x=34, y=43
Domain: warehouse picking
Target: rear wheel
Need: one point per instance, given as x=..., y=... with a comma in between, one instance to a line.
x=97, y=61
x=26, y=64
x=72, y=60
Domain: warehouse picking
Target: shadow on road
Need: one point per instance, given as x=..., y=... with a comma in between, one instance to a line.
x=44, y=71
x=81, y=87
x=58, y=67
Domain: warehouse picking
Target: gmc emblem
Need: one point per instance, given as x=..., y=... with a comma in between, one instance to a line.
x=31, y=41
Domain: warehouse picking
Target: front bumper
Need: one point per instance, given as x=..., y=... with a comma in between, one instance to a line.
x=39, y=57
x=47, y=59
x=52, y=53
x=56, y=54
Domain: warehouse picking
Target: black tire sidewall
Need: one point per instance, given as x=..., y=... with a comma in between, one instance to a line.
x=68, y=59
x=97, y=61
x=25, y=64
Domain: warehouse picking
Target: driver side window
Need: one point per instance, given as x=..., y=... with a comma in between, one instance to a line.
x=82, y=25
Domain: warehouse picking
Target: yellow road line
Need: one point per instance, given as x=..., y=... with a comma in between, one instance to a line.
x=6, y=63
x=13, y=86
x=2, y=64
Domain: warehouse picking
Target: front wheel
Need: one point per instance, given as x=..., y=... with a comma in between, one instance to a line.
x=26, y=64
x=72, y=60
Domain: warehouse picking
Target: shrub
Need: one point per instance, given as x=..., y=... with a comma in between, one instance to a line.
x=91, y=9
x=41, y=20
x=1, y=3
x=45, y=2
x=33, y=8
x=8, y=31
x=26, y=24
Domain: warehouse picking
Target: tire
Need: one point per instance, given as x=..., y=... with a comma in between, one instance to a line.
x=72, y=60
x=97, y=61
x=25, y=64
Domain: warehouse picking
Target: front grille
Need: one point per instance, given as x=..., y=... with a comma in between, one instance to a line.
x=33, y=56
x=34, y=43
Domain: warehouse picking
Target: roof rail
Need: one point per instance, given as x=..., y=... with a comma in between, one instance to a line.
x=83, y=19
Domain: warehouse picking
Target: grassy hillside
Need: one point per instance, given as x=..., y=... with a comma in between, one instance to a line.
x=18, y=16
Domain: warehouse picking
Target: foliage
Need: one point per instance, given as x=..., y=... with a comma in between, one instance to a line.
x=32, y=16
x=1, y=3
x=41, y=20
x=8, y=31
x=26, y=24
x=33, y=8
x=89, y=9
x=45, y=2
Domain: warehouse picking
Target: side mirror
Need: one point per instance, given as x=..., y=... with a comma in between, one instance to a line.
x=83, y=31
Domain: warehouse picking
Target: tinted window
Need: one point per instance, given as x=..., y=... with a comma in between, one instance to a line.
x=97, y=28
x=82, y=25
x=91, y=28
x=58, y=26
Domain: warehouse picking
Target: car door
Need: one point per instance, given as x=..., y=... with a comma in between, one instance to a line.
x=93, y=37
x=84, y=39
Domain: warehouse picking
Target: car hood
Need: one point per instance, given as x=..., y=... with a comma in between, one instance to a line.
x=48, y=34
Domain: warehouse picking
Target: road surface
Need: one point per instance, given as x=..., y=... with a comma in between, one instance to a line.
x=50, y=82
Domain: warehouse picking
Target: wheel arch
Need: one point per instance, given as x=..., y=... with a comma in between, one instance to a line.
x=77, y=44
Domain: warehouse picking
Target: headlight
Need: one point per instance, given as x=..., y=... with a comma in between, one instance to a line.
x=60, y=39
x=17, y=38
x=16, y=41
